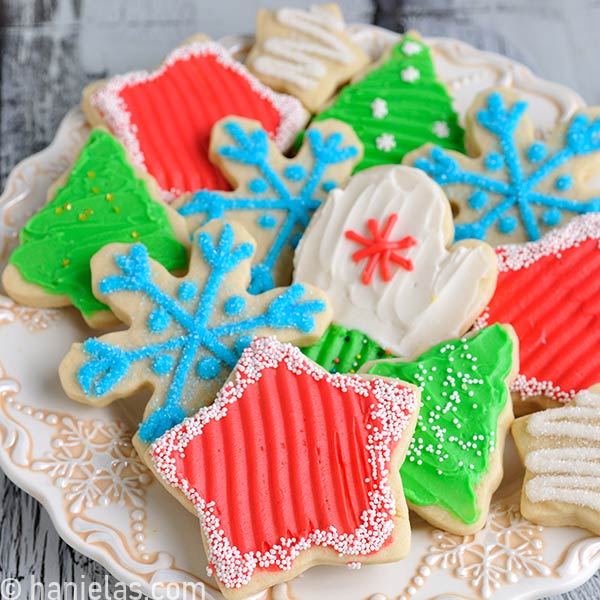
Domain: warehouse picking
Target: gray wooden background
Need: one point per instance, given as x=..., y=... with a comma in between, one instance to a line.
x=49, y=49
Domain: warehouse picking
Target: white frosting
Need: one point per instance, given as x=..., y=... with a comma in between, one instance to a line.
x=417, y=308
x=296, y=58
x=568, y=471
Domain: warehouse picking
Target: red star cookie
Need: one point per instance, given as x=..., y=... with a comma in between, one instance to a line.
x=549, y=291
x=293, y=466
x=164, y=118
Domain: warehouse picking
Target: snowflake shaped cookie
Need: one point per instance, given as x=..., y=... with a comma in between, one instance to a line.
x=316, y=459
x=515, y=188
x=560, y=448
x=274, y=196
x=381, y=250
x=185, y=334
x=454, y=462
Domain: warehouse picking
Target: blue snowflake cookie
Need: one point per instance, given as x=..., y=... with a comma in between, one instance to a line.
x=274, y=197
x=517, y=187
x=185, y=334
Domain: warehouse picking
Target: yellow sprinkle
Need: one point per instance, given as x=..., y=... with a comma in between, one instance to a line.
x=66, y=262
x=110, y=197
x=116, y=209
x=91, y=174
x=359, y=356
x=82, y=217
x=96, y=190
x=68, y=206
x=352, y=371
x=134, y=234
x=89, y=211
x=58, y=210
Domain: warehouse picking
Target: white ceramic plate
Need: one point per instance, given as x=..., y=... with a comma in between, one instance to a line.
x=79, y=462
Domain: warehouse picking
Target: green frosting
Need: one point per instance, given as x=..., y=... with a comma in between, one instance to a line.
x=342, y=350
x=419, y=109
x=102, y=202
x=463, y=392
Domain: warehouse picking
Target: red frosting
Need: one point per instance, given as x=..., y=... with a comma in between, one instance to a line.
x=165, y=118
x=287, y=452
x=549, y=291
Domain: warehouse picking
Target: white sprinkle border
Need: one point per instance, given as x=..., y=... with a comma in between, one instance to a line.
x=390, y=414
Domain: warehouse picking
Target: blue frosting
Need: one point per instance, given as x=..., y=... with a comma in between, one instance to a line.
x=292, y=193
x=511, y=184
x=199, y=345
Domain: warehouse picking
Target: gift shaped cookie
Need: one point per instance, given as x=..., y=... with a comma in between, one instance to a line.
x=387, y=106
x=548, y=291
x=307, y=53
x=164, y=117
x=315, y=460
x=454, y=463
x=381, y=251
x=560, y=448
x=274, y=197
x=103, y=199
x=185, y=334
x=513, y=187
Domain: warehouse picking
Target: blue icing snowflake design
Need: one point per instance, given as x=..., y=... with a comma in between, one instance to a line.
x=280, y=199
x=182, y=340
x=513, y=175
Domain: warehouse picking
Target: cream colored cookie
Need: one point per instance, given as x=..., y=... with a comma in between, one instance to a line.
x=104, y=198
x=382, y=250
x=454, y=463
x=274, y=197
x=184, y=334
x=560, y=448
x=513, y=187
x=311, y=457
x=306, y=53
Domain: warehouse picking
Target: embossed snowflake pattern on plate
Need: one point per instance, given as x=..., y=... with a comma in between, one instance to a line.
x=79, y=462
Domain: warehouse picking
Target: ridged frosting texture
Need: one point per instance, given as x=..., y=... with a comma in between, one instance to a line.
x=164, y=118
x=289, y=457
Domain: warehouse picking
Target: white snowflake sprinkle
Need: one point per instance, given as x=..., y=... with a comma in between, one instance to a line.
x=441, y=129
x=411, y=48
x=385, y=142
x=379, y=108
x=410, y=74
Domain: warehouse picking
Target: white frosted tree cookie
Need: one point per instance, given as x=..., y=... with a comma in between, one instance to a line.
x=381, y=249
x=313, y=477
x=560, y=448
x=306, y=53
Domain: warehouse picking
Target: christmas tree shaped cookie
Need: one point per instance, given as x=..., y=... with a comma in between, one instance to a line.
x=293, y=467
x=512, y=187
x=102, y=200
x=398, y=106
x=560, y=448
x=274, y=196
x=185, y=334
x=454, y=462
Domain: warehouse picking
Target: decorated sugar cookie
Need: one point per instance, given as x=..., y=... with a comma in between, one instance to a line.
x=102, y=200
x=560, y=448
x=316, y=460
x=381, y=251
x=185, y=334
x=548, y=291
x=164, y=117
x=514, y=188
x=454, y=463
x=398, y=106
x=306, y=53
x=274, y=196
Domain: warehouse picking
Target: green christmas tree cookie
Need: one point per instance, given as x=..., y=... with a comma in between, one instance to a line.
x=103, y=200
x=398, y=106
x=343, y=350
x=454, y=462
